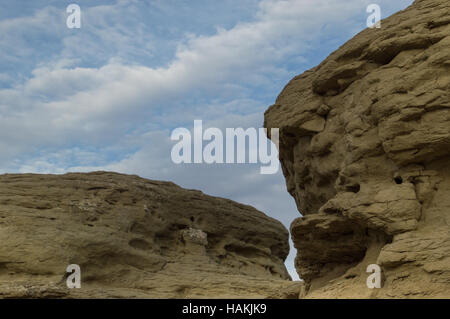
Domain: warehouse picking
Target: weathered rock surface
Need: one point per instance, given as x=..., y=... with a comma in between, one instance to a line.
x=365, y=149
x=134, y=237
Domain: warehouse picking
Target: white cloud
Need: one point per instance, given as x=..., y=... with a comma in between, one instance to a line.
x=77, y=101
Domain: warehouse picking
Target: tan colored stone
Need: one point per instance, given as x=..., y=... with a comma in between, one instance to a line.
x=134, y=238
x=373, y=185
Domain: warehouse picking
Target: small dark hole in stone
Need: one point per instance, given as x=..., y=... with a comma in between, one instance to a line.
x=354, y=188
x=192, y=218
x=398, y=180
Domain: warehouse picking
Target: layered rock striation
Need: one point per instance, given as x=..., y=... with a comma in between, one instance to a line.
x=365, y=149
x=134, y=237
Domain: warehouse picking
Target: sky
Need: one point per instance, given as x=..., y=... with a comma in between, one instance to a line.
x=107, y=96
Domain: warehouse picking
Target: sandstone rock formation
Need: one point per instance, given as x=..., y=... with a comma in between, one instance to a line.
x=365, y=149
x=134, y=237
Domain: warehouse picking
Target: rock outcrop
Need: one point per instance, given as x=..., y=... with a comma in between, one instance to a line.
x=134, y=237
x=365, y=149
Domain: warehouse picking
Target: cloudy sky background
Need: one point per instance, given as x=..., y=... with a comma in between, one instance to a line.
x=108, y=95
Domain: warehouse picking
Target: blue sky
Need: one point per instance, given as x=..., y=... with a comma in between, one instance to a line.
x=107, y=96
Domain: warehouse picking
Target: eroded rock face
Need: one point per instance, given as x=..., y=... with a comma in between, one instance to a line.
x=134, y=237
x=365, y=149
